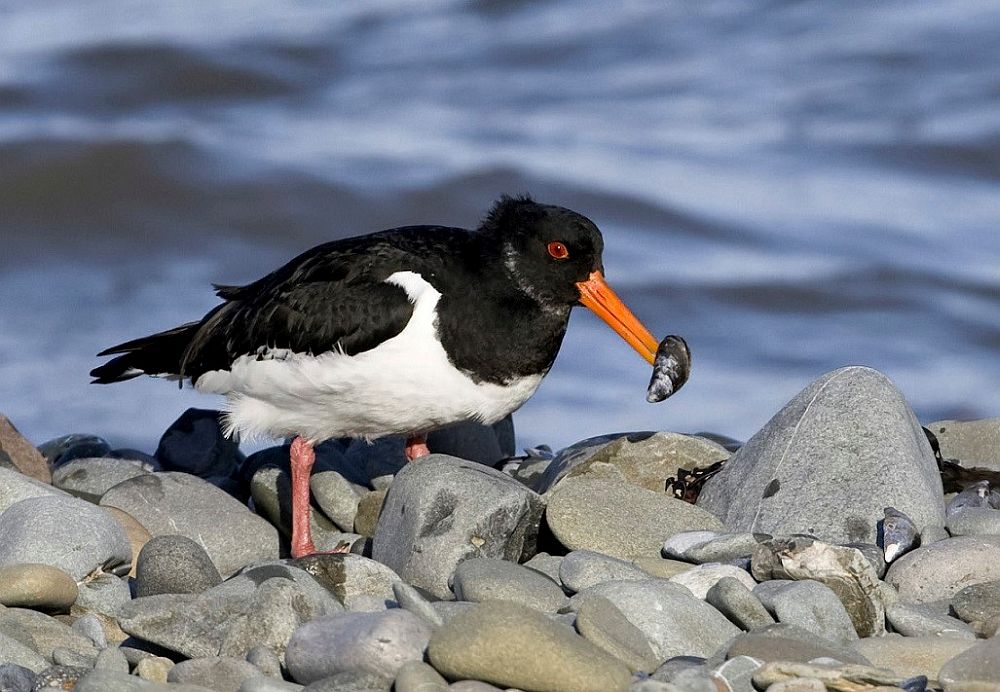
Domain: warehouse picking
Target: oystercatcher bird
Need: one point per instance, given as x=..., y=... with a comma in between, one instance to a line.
x=399, y=332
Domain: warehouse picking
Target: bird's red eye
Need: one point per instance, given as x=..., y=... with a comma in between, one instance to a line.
x=558, y=250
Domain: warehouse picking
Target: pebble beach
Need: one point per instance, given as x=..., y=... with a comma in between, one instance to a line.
x=825, y=554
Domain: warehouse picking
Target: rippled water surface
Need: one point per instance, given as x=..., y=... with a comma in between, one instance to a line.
x=792, y=186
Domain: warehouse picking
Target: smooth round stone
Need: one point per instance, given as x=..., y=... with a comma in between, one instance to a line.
x=45, y=634
x=978, y=603
x=90, y=478
x=658, y=567
x=90, y=626
x=196, y=444
x=783, y=642
x=112, y=659
x=64, y=532
x=36, y=586
x=15, y=678
x=942, y=569
x=679, y=544
x=736, y=601
x=174, y=564
x=814, y=607
x=618, y=519
x=724, y=547
x=13, y=652
x=581, y=569
x=489, y=579
x=378, y=643
x=971, y=443
x=978, y=663
x=154, y=668
x=350, y=681
x=337, y=497
x=911, y=656
x=417, y=676
x=264, y=658
x=703, y=577
x=65, y=448
x=15, y=486
x=673, y=621
x=915, y=621
x=266, y=684
x=601, y=623
x=510, y=645
x=974, y=521
x=221, y=673
x=737, y=672
x=473, y=686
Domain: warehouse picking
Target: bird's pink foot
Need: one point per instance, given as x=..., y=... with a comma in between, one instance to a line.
x=302, y=458
x=416, y=447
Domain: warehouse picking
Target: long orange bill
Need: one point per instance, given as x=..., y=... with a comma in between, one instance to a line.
x=598, y=296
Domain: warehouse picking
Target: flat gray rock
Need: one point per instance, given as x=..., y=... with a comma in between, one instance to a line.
x=645, y=459
x=970, y=443
x=489, y=579
x=412, y=600
x=976, y=664
x=262, y=606
x=978, y=602
x=736, y=601
x=359, y=583
x=911, y=656
x=619, y=519
x=44, y=634
x=417, y=676
x=510, y=645
x=582, y=569
x=13, y=651
x=673, y=620
x=441, y=511
x=64, y=532
x=783, y=642
x=378, y=643
x=725, y=547
x=179, y=503
x=829, y=462
x=546, y=564
x=940, y=570
x=600, y=622
x=90, y=478
x=174, y=564
x=920, y=621
x=15, y=486
x=813, y=607
x=108, y=681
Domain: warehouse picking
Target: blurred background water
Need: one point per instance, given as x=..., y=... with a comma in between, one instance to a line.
x=792, y=186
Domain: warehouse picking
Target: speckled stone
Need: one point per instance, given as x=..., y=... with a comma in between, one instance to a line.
x=910, y=656
x=488, y=579
x=940, y=570
x=600, y=622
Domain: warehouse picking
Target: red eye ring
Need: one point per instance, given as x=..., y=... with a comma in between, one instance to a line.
x=558, y=250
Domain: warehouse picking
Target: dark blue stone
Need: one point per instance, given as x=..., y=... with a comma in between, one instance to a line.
x=76, y=446
x=195, y=444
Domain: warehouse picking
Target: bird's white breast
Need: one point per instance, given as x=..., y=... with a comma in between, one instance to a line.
x=404, y=385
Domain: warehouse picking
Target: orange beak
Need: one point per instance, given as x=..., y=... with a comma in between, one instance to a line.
x=598, y=296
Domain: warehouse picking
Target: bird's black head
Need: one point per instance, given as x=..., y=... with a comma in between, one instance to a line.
x=546, y=249
x=554, y=255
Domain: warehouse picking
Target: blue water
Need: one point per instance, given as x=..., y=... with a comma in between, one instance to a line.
x=791, y=186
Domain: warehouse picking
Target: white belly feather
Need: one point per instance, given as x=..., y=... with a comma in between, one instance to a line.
x=404, y=385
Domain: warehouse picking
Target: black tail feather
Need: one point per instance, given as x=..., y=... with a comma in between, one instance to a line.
x=156, y=354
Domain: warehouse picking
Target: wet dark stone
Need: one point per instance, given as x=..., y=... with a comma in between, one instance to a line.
x=66, y=448
x=195, y=444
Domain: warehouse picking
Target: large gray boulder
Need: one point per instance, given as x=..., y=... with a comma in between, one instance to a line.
x=441, y=510
x=829, y=462
x=179, y=503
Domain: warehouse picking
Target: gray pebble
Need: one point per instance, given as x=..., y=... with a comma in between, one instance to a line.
x=915, y=620
x=488, y=579
x=14, y=652
x=783, y=642
x=90, y=478
x=336, y=496
x=940, y=570
x=703, y=577
x=813, y=607
x=90, y=626
x=15, y=678
x=16, y=486
x=64, y=532
x=417, y=676
x=265, y=660
x=44, y=634
x=220, y=673
x=974, y=521
x=351, y=681
x=581, y=569
x=174, y=564
x=546, y=564
x=377, y=643
x=105, y=594
x=73, y=659
x=976, y=664
x=266, y=684
x=738, y=673
x=600, y=622
x=112, y=659
x=732, y=598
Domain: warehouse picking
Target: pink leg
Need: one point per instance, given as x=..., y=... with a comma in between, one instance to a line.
x=302, y=457
x=416, y=447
